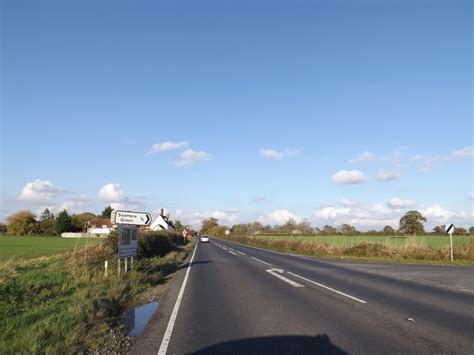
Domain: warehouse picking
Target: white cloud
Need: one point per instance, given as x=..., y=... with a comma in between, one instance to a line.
x=277, y=155
x=363, y=157
x=110, y=193
x=427, y=163
x=167, y=146
x=128, y=203
x=38, y=192
x=76, y=204
x=388, y=175
x=278, y=217
x=348, y=202
x=349, y=177
x=195, y=218
x=397, y=202
x=191, y=157
x=465, y=153
x=362, y=217
x=470, y=196
x=272, y=154
x=330, y=212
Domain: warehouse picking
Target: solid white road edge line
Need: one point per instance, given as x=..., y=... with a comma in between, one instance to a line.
x=328, y=288
x=169, y=329
x=261, y=261
x=277, y=272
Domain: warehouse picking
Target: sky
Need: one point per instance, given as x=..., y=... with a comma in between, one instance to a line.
x=331, y=111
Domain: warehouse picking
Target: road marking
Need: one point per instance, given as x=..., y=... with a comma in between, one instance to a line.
x=240, y=252
x=261, y=261
x=277, y=272
x=169, y=329
x=232, y=252
x=328, y=288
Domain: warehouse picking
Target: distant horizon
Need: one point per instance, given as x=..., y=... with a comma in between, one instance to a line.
x=336, y=112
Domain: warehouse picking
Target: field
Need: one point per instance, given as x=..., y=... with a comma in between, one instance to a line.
x=32, y=247
x=427, y=249
x=435, y=242
x=64, y=303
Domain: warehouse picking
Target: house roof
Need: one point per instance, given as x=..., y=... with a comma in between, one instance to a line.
x=99, y=222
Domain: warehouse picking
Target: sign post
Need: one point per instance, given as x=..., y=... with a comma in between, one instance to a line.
x=450, y=230
x=128, y=223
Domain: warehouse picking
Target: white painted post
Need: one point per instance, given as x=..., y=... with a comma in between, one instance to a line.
x=118, y=264
x=131, y=263
x=106, y=264
x=451, y=244
x=126, y=259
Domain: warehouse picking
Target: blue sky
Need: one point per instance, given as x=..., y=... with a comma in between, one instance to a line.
x=346, y=111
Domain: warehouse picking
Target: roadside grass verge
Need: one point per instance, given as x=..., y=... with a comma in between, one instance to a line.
x=32, y=247
x=65, y=303
x=411, y=251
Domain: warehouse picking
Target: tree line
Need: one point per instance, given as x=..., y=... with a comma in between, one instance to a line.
x=411, y=223
x=48, y=224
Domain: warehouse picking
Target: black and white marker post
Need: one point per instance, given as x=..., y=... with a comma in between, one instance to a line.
x=450, y=230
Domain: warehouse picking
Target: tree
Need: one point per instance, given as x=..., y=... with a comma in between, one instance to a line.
x=289, y=225
x=107, y=212
x=471, y=231
x=63, y=223
x=328, y=230
x=412, y=223
x=3, y=228
x=346, y=229
x=439, y=230
x=209, y=223
x=21, y=223
x=254, y=227
x=216, y=231
x=305, y=227
x=459, y=231
x=388, y=230
x=178, y=226
x=81, y=221
x=239, y=229
x=46, y=223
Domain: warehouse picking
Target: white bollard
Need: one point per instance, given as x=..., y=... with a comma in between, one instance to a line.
x=106, y=264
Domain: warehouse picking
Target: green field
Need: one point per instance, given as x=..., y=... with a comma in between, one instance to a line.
x=435, y=242
x=32, y=247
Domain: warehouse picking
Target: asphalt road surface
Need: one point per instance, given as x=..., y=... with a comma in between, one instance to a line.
x=241, y=300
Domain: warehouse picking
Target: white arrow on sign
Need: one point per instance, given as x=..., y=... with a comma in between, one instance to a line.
x=277, y=272
x=135, y=218
x=450, y=228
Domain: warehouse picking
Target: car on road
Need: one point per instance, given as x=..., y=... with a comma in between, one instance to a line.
x=204, y=239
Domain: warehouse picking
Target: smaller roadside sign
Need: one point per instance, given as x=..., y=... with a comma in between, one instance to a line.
x=128, y=241
x=449, y=228
x=129, y=217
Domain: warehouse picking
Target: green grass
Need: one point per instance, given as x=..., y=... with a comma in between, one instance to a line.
x=435, y=242
x=32, y=247
x=426, y=249
x=65, y=304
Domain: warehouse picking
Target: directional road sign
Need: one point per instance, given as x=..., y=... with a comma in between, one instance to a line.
x=128, y=217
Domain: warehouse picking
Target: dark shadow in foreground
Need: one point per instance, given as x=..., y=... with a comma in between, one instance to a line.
x=320, y=344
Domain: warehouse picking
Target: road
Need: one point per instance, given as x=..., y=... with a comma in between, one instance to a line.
x=242, y=300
